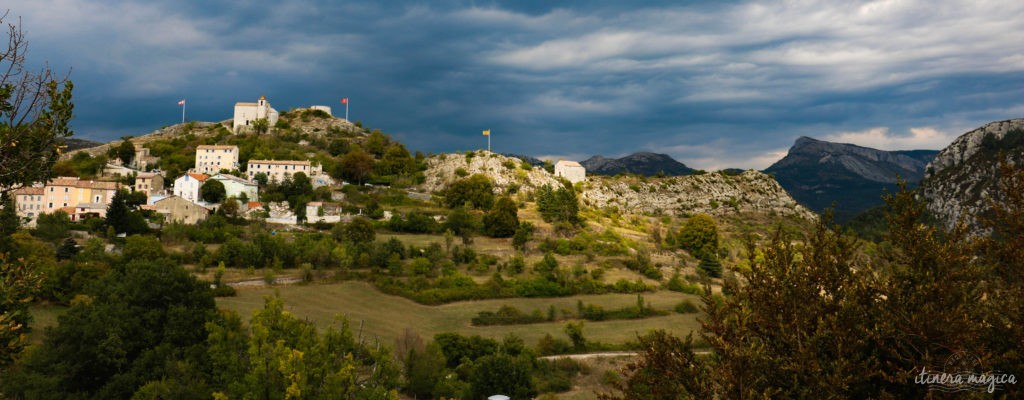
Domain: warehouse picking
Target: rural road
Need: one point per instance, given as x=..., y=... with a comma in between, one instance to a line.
x=586, y=356
x=261, y=282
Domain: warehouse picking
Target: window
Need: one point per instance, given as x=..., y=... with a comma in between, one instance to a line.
x=65, y=190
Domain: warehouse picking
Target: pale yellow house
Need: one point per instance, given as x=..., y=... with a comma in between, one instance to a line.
x=70, y=191
x=210, y=159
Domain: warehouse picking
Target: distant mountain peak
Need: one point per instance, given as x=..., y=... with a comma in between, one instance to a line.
x=805, y=140
x=640, y=163
x=819, y=173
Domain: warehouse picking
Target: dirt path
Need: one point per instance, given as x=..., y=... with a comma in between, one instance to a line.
x=261, y=282
x=586, y=356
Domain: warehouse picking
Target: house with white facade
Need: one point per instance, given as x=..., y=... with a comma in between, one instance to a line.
x=236, y=187
x=210, y=159
x=570, y=170
x=246, y=113
x=187, y=186
x=278, y=170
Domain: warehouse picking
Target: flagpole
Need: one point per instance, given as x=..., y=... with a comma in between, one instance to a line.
x=183, y=112
x=488, y=141
x=346, y=109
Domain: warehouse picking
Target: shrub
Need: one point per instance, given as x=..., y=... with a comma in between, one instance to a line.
x=687, y=307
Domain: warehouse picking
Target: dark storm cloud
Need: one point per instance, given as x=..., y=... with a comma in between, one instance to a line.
x=715, y=85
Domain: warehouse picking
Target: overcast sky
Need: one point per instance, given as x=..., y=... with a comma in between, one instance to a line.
x=715, y=85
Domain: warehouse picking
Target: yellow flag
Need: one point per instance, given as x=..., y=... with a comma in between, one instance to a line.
x=487, y=132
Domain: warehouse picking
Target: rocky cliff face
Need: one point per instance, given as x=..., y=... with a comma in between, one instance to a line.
x=819, y=174
x=711, y=193
x=643, y=163
x=962, y=178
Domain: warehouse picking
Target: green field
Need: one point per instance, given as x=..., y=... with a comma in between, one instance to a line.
x=44, y=315
x=387, y=316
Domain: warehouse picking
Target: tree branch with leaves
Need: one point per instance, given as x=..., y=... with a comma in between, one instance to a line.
x=35, y=110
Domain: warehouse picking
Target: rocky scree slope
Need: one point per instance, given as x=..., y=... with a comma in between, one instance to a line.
x=819, y=174
x=962, y=178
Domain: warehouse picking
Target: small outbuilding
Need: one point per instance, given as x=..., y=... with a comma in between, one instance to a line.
x=570, y=170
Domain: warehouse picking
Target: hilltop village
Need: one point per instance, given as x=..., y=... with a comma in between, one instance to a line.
x=216, y=177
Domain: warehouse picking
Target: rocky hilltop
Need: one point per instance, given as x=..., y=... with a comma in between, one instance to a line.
x=964, y=175
x=166, y=132
x=712, y=193
x=819, y=174
x=506, y=172
x=643, y=163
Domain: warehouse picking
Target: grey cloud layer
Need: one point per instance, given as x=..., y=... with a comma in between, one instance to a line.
x=715, y=85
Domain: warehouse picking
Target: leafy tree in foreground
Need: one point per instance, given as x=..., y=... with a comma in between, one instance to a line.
x=821, y=320
x=135, y=322
x=280, y=356
x=19, y=283
x=35, y=108
x=9, y=221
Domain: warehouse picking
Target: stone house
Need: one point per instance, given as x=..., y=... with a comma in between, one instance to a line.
x=149, y=183
x=570, y=170
x=178, y=209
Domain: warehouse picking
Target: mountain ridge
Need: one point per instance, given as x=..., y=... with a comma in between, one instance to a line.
x=639, y=163
x=820, y=174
